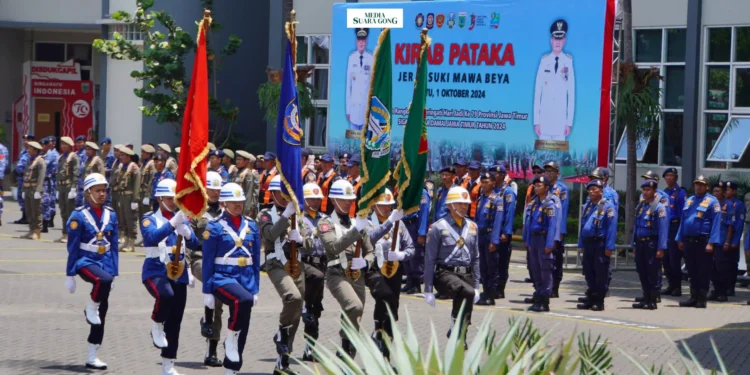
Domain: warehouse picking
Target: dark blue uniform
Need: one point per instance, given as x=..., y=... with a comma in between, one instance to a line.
x=650, y=235
x=541, y=231
x=505, y=205
x=673, y=256
x=739, y=227
x=441, y=210
x=561, y=191
x=23, y=162
x=721, y=276
x=700, y=225
x=417, y=225
x=598, y=233
x=488, y=261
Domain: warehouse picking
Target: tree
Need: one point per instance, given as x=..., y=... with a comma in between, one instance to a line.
x=270, y=92
x=164, y=73
x=638, y=110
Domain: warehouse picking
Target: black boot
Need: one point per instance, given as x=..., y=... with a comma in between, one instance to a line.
x=677, y=291
x=44, y=226
x=528, y=280
x=555, y=289
x=51, y=223
x=531, y=299
x=407, y=286
x=597, y=302
x=488, y=299
x=645, y=298
x=669, y=289
x=585, y=299
x=542, y=304
x=348, y=348
x=22, y=220
x=713, y=296
x=693, y=299
x=653, y=301
x=281, y=339
x=722, y=297
x=500, y=291
x=586, y=302
x=211, y=360
x=207, y=329
x=702, y=296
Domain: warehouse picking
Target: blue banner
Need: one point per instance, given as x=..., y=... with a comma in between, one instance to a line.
x=289, y=134
x=509, y=80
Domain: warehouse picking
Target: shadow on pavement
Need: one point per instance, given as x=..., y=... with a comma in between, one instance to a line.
x=730, y=341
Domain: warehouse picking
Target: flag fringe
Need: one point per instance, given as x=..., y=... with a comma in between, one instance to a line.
x=293, y=197
x=197, y=185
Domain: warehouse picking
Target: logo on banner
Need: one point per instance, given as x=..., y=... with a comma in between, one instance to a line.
x=85, y=87
x=430, y=20
x=461, y=19
x=451, y=20
x=473, y=21
x=378, y=135
x=292, y=132
x=377, y=18
x=440, y=20
x=494, y=20
x=81, y=108
x=419, y=20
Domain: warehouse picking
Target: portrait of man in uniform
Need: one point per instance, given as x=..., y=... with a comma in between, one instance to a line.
x=554, y=95
x=358, y=70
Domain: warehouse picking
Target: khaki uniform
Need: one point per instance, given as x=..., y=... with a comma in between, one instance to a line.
x=249, y=179
x=195, y=259
x=67, y=174
x=148, y=172
x=33, y=182
x=274, y=230
x=232, y=171
x=130, y=184
x=171, y=165
x=339, y=237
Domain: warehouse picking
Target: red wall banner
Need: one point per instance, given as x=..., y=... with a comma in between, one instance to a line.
x=77, y=116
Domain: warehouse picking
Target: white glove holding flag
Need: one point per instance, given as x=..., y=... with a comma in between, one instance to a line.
x=177, y=219
x=395, y=255
x=184, y=231
x=208, y=300
x=358, y=263
x=289, y=210
x=429, y=298
x=37, y=195
x=361, y=224
x=395, y=216
x=72, y=194
x=70, y=284
x=295, y=236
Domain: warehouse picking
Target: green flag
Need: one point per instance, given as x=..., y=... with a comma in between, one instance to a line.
x=412, y=168
x=375, y=139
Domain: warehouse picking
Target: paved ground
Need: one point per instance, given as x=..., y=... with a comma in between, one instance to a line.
x=42, y=330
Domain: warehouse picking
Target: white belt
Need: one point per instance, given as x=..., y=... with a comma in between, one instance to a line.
x=241, y=261
x=335, y=262
x=93, y=248
x=156, y=252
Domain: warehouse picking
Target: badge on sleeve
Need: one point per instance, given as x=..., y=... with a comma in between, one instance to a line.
x=662, y=213
x=611, y=212
x=325, y=227
x=146, y=222
x=550, y=212
x=424, y=200
x=206, y=235
x=73, y=225
x=717, y=207
x=508, y=198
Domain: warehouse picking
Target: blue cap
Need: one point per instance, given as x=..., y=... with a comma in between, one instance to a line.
x=105, y=140
x=552, y=165
x=326, y=158
x=730, y=185
x=475, y=165
x=650, y=183
x=353, y=160
x=719, y=184
x=45, y=140
x=218, y=153
x=269, y=156
x=80, y=138
x=670, y=170
x=461, y=163
x=650, y=175
x=158, y=156
x=701, y=180
x=546, y=181
x=499, y=169
x=52, y=139
x=449, y=169
x=487, y=175
x=599, y=172
x=597, y=183
x=29, y=137
x=537, y=167
x=345, y=156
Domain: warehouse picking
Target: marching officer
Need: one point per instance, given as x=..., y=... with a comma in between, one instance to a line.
x=277, y=236
x=90, y=164
x=308, y=169
x=231, y=270
x=488, y=256
x=211, y=322
x=417, y=224
x=315, y=266
x=554, y=95
x=109, y=161
x=358, y=71
x=248, y=179
x=23, y=162
x=384, y=279
x=114, y=181
x=164, y=274
x=723, y=257
x=226, y=162
x=130, y=182
x=602, y=173
x=214, y=164
x=739, y=227
x=326, y=178
x=50, y=183
x=452, y=260
x=171, y=163
x=552, y=170
x=33, y=188
x=447, y=176
x=540, y=232
x=67, y=177
x=269, y=172
x=536, y=172
x=340, y=237
x=502, y=228
x=92, y=255
x=597, y=239
x=650, y=243
x=699, y=233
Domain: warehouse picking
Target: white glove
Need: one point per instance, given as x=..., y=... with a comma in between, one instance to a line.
x=255, y=300
x=112, y=286
x=134, y=206
x=177, y=219
x=289, y=210
x=208, y=300
x=295, y=236
x=358, y=263
x=429, y=298
x=70, y=284
x=476, y=295
x=191, y=280
x=146, y=201
x=396, y=215
x=57, y=195
x=37, y=195
x=184, y=231
x=361, y=223
x=23, y=195
x=72, y=194
x=396, y=255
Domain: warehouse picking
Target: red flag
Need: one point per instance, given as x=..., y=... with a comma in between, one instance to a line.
x=191, y=173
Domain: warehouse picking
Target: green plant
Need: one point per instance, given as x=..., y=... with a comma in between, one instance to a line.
x=270, y=92
x=595, y=356
x=164, y=73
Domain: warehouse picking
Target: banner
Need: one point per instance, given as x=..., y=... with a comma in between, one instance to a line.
x=77, y=96
x=521, y=82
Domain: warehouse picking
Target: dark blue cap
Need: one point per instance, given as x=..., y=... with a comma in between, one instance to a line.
x=345, y=156
x=475, y=165
x=461, y=163
x=218, y=153
x=105, y=140
x=599, y=172
x=269, y=156
x=650, y=175
x=730, y=185
x=326, y=158
x=305, y=152
x=552, y=165
x=543, y=179
x=650, y=183
x=52, y=139
x=29, y=137
x=597, y=183
x=353, y=160
x=719, y=184
x=499, y=169
x=448, y=169
x=701, y=180
x=487, y=175
x=669, y=170
x=158, y=156
x=45, y=141
x=537, y=167
x=81, y=138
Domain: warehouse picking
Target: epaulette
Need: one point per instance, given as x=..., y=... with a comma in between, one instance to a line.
x=569, y=56
x=148, y=213
x=109, y=208
x=80, y=208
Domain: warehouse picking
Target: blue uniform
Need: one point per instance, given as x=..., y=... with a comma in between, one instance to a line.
x=93, y=257
x=441, y=210
x=540, y=232
x=417, y=225
x=598, y=234
x=4, y=160
x=700, y=225
x=739, y=227
x=650, y=235
x=171, y=295
x=237, y=280
x=505, y=205
x=673, y=256
x=109, y=162
x=23, y=162
x=50, y=185
x=488, y=261
x=561, y=192
x=723, y=259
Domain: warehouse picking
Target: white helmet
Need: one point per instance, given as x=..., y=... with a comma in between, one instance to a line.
x=93, y=180
x=213, y=181
x=342, y=189
x=457, y=194
x=275, y=184
x=311, y=190
x=166, y=188
x=231, y=192
x=386, y=199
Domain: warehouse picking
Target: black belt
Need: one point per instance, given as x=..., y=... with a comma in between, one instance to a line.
x=485, y=231
x=314, y=260
x=410, y=220
x=646, y=238
x=696, y=239
x=539, y=233
x=593, y=239
x=455, y=269
x=675, y=221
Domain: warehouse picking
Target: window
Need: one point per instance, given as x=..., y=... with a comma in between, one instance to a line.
x=664, y=50
x=62, y=52
x=726, y=97
x=127, y=31
x=54, y=52
x=81, y=53
x=314, y=50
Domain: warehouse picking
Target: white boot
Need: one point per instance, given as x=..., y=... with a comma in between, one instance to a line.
x=92, y=313
x=158, y=335
x=93, y=362
x=167, y=367
x=231, y=346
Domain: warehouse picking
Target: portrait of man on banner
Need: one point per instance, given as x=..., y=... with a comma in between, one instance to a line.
x=358, y=71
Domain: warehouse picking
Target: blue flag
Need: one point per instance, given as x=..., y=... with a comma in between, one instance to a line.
x=288, y=131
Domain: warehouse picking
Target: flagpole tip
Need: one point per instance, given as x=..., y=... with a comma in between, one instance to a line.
x=293, y=15
x=206, y=13
x=424, y=30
